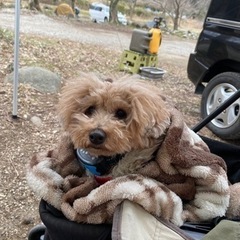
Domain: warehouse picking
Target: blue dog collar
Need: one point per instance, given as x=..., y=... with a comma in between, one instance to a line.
x=88, y=162
x=97, y=166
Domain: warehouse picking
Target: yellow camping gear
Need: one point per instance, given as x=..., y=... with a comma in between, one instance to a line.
x=155, y=42
x=64, y=9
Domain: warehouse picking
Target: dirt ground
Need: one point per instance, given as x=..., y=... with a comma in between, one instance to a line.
x=66, y=48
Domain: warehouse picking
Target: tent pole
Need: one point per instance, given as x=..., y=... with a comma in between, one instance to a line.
x=16, y=54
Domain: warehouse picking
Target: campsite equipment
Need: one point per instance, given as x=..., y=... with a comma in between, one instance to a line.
x=65, y=10
x=132, y=61
x=140, y=41
x=151, y=72
x=156, y=37
x=143, y=49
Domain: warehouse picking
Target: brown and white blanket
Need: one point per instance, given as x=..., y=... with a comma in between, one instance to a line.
x=184, y=181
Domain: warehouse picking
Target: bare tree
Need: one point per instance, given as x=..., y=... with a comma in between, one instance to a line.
x=132, y=7
x=34, y=4
x=199, y=8
x=174, y=8
x=73, y=4
x=113, y=11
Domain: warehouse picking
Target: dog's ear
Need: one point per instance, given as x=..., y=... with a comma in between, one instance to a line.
x=73, y=94
x=150, y=115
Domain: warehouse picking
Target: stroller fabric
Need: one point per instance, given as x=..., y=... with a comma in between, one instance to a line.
x=58, y=227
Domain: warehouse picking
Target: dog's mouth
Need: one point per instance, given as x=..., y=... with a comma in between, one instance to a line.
x=97, y=166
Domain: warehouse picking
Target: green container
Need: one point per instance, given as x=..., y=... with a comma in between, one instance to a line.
x=152, y=60
x=132, y=61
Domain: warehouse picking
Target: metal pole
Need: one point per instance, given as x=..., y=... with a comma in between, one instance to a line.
x=16, y=53
x=217, y=111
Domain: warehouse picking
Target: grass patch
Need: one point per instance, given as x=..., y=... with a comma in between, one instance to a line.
x=6, y=36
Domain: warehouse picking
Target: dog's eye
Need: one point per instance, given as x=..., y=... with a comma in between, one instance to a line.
x=89, y=111
x=120, y=114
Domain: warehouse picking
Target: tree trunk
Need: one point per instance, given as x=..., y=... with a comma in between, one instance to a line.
x=132, y=7
x=34, y=4
x=73, y=4
x=113, y=11
x=177, y=15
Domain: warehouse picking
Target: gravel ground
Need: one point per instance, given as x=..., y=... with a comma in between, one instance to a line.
x=79, y=31
x=65, y=46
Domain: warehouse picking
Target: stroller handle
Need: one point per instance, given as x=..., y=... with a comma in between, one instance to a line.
x=217, y=111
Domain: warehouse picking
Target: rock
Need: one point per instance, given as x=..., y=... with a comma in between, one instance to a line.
x=36, y=121
x=41, y=79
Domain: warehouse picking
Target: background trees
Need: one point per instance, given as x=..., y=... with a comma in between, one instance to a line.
x=172, y=10
x=113, y=11
x=178, y=9
x=35, y=4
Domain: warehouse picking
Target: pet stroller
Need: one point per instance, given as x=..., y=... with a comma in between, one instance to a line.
x=57, y=227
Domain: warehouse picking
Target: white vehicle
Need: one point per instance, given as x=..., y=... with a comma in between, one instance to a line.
x=99, y=12
x=122, y=18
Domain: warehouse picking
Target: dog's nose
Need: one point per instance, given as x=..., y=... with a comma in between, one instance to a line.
x=97, y=136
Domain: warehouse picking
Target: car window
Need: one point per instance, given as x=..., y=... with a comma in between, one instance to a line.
x=225, y=9
x=99, y=9
x=92, y=6
x=96, y=8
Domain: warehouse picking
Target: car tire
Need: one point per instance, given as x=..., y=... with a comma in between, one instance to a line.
x=227, y=124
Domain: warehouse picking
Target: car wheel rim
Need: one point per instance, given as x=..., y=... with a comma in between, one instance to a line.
x=217, y=96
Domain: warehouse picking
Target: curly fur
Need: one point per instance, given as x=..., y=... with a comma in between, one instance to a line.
x=146, y=114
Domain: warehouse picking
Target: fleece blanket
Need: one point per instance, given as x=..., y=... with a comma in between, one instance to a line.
x=182, y=181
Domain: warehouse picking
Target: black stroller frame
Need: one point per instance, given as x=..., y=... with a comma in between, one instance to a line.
x=55, y=223
x=217, y=111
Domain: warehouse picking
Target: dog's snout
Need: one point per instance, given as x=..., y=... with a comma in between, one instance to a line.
x=97, y=136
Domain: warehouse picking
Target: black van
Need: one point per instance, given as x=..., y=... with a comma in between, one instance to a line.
x=214, y=67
